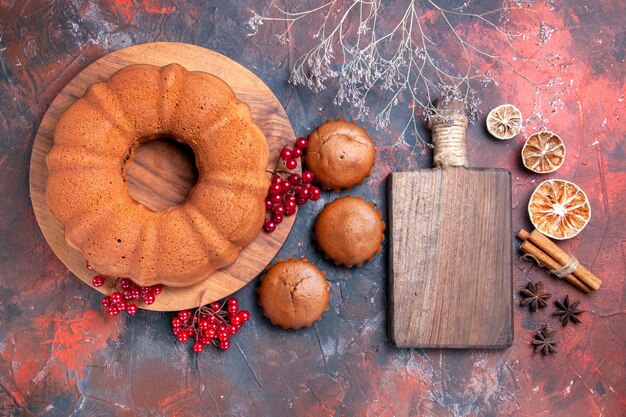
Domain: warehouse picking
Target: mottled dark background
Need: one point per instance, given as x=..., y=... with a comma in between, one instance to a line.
x=60, y=355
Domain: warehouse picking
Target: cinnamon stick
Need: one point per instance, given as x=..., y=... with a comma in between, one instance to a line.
x=561, y=257
x=545, y=260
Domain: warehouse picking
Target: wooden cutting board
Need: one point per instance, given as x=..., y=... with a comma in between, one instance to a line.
x=450, y=258
x=162, y=172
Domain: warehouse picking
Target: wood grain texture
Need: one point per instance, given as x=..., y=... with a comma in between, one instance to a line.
x=450, y=258
x=159, y=186
x=162, y=173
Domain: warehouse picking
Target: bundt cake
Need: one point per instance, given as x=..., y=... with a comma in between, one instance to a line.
x=96, y=138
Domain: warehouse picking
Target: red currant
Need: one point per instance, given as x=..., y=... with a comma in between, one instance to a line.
x=136, y=293
x=277, y=198
x=302, y=143
x=131, y=309
x=113, y=310
x=233, y=305
x=149, y=298
x=316, y=193
x=305, y=192
x=184, y=315
x=235, y=319
x=296, y=153
x=301, y=201
x=294, y=179
x=291, y=164
x=285, y=186
x=290, y=210
x=106, y=301
x=128, y=294
x=245, y=315
x=269, y=226
x=290, y=204
x=213, y=324
x=277, y=218
x=156, y=289
x=279, y=209
x=276, y=179
x=307, y=177
x=275, y=188
x=125, y=283
x=269, y=203
x=98, y=281
x=285, y=153
x=116, y=297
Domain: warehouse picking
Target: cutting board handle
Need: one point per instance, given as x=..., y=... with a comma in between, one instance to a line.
x=448, y=126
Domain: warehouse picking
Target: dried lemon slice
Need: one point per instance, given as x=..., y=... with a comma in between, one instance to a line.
x=504, y=122
x=543, y=152
x=559, y=209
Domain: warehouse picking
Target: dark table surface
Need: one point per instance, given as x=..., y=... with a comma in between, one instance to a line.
x=60, y=355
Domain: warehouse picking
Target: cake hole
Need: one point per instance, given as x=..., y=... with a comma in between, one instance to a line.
x=162, y=173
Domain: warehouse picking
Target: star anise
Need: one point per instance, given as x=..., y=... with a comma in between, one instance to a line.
x=544, y=341
x=534, y=296
x=567, y=312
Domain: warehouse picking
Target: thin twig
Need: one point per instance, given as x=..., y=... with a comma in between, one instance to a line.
x=402, y=60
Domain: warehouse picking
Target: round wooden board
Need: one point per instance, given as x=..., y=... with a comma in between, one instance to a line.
x=267, y=113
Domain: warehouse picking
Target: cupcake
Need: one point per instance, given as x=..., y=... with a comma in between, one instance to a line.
x=294, y=294
x=340, y=154
x=349, y=231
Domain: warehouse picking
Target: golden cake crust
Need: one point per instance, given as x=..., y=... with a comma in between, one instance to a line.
x=294, y=294
x=340, y=154
x=349, y=231
x=95, y=139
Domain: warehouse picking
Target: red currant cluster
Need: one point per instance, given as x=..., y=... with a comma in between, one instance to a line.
x=123, y=301
x=289, y=190
x=210, y=324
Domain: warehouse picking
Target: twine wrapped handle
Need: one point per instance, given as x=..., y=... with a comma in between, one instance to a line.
x=448, y=126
